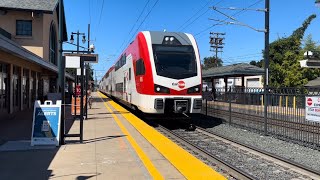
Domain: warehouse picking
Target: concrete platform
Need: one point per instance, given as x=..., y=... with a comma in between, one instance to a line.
x=113, y=148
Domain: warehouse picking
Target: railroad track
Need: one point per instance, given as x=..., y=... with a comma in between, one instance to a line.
x=290, y=130
x=235, y=160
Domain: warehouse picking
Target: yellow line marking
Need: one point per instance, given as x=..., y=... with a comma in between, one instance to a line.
x=187, y=164
x=144, y=158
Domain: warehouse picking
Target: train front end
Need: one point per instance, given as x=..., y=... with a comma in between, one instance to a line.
x=176, y=73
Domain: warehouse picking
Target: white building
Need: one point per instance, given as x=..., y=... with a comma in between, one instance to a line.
x=237, y=75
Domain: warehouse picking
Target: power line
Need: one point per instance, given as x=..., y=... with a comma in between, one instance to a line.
x=243, y=56
x=134, y=25
x=143, y=20
x=198, y=16
x=194, y=15
x=235, y=14
x=101, y=13
x=89, y=11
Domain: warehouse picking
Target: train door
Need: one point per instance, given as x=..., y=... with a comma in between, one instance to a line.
x=125, y=94
x=126, y=84
x=129, y=86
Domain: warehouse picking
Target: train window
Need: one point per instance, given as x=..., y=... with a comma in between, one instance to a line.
x=140, y=69
x=117, y=66
x=129, y=73
x=123, y=60
x=177, y=62
x=119, y=87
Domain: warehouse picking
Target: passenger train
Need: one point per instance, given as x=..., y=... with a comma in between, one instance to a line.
x=158, y=73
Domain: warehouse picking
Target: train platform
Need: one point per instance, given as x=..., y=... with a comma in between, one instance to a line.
x=117, y=145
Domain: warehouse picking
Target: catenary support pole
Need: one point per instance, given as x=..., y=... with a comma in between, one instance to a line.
x=61, y=73
x=266, y=65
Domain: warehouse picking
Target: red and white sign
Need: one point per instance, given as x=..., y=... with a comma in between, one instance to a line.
x=309, y=101
x=181, y=84
x=313, y=108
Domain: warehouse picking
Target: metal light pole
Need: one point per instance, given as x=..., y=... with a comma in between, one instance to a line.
x=87, y=74
x=266, y=64
x=76, y=83
x=82, y=82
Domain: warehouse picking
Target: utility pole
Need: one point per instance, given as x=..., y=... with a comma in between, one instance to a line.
x=81, y=81
x=216, y=43
x=61, y=74
x=266, y=64
x=87, y=75
x=266, y=30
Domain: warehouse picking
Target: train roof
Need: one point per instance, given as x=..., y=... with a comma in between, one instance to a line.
x=157, y=37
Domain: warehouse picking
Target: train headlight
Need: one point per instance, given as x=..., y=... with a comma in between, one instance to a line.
x=171, y=40
x=194, y=89
x=161, y=89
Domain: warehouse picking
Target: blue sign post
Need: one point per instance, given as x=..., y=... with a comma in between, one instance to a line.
x=46, y=123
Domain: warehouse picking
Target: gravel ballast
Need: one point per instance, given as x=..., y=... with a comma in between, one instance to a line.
x=300, y=154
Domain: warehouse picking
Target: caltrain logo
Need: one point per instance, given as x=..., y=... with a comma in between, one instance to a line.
x=180, y=84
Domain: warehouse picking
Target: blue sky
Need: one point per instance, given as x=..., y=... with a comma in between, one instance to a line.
x=112, y=20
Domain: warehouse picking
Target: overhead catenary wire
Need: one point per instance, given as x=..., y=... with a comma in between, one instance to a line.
x=233, y=15
x=142, y=21
x=145, y=18
x=89, y=2
x=183, y=26
x=125, y=40
x=101, y=13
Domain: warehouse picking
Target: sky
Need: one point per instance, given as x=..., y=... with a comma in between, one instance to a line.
x=115, y=23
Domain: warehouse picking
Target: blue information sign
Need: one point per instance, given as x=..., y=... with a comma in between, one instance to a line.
x=46, y=123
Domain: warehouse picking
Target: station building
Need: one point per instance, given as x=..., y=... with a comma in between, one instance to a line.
x=28, y=53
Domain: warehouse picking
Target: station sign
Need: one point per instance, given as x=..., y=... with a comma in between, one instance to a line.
x=73, y=60
x=89, y=58
x=46, y=123
x=313, y=108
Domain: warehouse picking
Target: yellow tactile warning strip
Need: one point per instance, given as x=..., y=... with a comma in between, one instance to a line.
x=187, y=164
x=144, y=158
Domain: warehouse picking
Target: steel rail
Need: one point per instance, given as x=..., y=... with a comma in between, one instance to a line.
x=232, y=171
x=297, y=165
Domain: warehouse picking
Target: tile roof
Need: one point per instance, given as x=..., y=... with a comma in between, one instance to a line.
x=233, y=70
x=39, y=5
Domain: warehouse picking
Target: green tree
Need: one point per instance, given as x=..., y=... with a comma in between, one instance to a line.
x=284, y=56
x=310, y=45
x=257, y=63
x=209, y=62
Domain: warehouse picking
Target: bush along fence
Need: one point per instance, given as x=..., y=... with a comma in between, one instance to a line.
x=286, y=112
